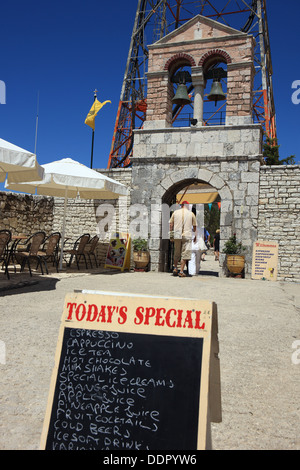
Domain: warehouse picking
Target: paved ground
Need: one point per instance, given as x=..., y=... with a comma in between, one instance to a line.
x=258, y=326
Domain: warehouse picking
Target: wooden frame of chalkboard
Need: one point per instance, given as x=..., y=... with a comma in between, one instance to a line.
x=133, y=373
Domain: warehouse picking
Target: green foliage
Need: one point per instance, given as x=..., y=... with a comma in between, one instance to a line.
x=232, y=247
x=140, y=244
x=271, y=153
x=211, y=219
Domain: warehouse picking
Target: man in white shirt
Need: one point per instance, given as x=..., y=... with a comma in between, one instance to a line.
x=183, y=223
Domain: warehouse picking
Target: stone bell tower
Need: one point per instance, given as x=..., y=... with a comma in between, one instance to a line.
x=227, y=157
x=201, y=43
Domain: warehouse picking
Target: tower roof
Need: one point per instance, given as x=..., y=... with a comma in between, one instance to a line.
x=198, y=28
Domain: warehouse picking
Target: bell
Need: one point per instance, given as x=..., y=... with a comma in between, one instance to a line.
x=181, y=97
x=216, y=92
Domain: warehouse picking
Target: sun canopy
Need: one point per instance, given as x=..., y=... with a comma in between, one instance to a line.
x=68, y=177
x=198, y=198
x=18, y=164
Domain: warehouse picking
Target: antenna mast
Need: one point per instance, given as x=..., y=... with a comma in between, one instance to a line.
x=154, y=20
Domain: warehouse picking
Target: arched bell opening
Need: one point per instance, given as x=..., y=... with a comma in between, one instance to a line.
x=183, y=98
x=180, y=94
x=215, y=92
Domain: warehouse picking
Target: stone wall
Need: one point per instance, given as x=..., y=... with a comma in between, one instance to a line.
x=26, y=214
x=209, y=143
x=270, y=195
x=90, y=216
x=226, y=157
x=279, y=216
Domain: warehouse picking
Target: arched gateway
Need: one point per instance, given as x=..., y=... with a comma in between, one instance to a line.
x=227, y=157
x=175, y=183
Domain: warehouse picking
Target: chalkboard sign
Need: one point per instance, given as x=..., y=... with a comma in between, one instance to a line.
x=118, y=252
x=132, y=373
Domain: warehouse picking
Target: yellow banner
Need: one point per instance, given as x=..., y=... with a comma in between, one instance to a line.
x=90, y=119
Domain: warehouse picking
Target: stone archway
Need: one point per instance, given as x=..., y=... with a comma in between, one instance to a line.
x=179, y=179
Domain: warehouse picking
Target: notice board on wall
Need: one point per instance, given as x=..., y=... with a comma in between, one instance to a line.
x=265, y=260
x=133, y=373
x=118, y=252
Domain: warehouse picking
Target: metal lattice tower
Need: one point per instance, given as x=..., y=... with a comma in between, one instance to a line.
x=155, y=19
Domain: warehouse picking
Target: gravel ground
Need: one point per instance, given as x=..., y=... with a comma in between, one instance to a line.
x=258, y=325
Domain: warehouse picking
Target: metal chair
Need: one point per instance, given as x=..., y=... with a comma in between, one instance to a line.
x=17, y=245
x=90, y=249
x=78, y=250
x=50, y=250
x=34, y=243
x=5, y=237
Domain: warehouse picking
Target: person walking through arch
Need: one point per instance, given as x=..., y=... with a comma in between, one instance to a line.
x=217, y=245
x=206, y=235
x=183, y=223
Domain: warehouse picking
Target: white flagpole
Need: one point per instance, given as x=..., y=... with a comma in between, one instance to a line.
x=63, y=229
x=37, y=121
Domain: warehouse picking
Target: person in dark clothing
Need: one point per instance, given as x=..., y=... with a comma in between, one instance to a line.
x=206, y=235
x=217, y=245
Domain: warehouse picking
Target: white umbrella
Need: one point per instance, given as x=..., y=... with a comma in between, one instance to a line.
x=18, y=164
x=68, y=178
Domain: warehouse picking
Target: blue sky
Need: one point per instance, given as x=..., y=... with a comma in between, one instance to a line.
x=62, y=51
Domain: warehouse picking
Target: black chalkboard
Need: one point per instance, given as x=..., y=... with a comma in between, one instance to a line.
x=125, y=391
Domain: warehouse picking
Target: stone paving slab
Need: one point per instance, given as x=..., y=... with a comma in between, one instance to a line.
x=258, y=326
